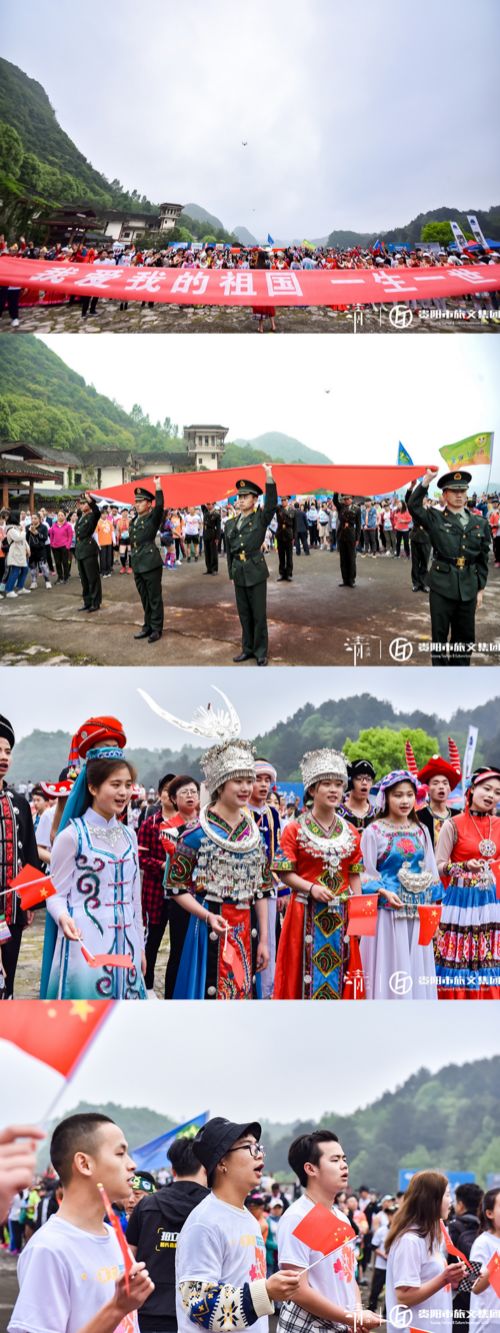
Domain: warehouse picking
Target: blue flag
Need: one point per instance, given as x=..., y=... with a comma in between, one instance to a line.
x=403, y=456
x=151, y=1156
x=270, y=240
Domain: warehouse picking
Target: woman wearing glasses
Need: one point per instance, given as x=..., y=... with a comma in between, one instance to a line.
x=221, y=1257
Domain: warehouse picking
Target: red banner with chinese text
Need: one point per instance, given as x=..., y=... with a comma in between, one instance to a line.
x=193, y=488
x=247, y=287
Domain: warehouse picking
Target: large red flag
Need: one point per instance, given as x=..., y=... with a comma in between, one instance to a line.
x=451, y=1248
x=56, y=1032
x=362, y=909
x=194, y=488
x=430, y=916
x=32, y=887
x=322, y=1230
x=493, y=1268
x=115, y=1223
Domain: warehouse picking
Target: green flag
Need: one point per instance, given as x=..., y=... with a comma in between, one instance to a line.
x=474, y=449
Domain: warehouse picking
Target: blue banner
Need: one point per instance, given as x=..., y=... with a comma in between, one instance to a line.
x=455, y=1178
x=151, y=1156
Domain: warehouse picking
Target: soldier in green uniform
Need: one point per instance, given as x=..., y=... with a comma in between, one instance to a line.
x=243, y=538
x=147, y=566
x=87, y=553
x=460, y=549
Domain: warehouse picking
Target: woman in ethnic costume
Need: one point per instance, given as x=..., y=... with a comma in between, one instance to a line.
x=398, y=856
x=219, y=872
x=320, y=860
x=95, y=870
x=468, y=857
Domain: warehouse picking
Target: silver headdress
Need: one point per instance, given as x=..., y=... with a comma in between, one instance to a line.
x=230, y=757
x=321, y=765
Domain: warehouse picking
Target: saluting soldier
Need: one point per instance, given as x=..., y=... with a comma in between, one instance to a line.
x=284, y=536
x=244, y=536
x=147, y=566
x=459, y=569
x=87, y=553
x=348, y=535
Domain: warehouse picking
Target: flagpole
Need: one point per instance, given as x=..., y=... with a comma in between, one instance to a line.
x=491, y=461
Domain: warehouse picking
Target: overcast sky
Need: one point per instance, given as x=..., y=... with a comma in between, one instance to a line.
x=51, y=700
x=426, y=392
x=356, y=115
x=171, y=1057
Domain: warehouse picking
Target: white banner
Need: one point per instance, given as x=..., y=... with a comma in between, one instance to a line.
x=470, y=750
x=476, y=230
x=461, y=240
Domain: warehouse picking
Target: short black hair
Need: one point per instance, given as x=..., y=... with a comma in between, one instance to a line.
x=75, y=1134
x=164, y=781
x=306, y=1148
x=470, y=1195
x=183, y=1159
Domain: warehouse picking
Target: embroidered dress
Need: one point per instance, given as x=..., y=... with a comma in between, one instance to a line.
x=95, y=870
x=468, y=939
x=228, y=871
x=404, y=861
x=313, y=949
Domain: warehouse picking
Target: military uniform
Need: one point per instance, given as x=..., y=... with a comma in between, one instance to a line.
x=147, y=564
x=420, y=547
x=247, y=568
x=284, y=536
x=348, y=534
x=211, y=538
x=459, y=569
x=87, y=557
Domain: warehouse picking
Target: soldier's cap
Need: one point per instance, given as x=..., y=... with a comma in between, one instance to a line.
x=213, y=1140
x=244, y=487
x=141, y=493
x=455, y=481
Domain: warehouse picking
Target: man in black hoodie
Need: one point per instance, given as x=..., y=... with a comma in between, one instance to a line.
x=153, y=1230
x=463, y=1229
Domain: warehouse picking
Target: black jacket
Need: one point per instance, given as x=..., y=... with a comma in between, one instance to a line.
x=154, y=1229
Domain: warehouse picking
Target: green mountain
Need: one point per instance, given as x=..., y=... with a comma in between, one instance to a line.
x=283, y=448
x=411, y=231
x=244, y=236
x=199, y=214
x=336, y=722
x=38, y=159
x=424, y=1123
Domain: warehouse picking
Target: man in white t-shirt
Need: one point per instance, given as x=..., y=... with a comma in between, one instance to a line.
x=328, y=1293
x=71, y=1272
x=221, y=1257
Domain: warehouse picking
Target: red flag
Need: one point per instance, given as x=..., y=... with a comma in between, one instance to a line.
x=322, y=1230
x=451, y=1248
x=115, y=1223
x=362, y=910
x=107, y=959
x=57, y=1032
x=493, y=1268
x=430, y=916
x=193, y=488
x=32, y=887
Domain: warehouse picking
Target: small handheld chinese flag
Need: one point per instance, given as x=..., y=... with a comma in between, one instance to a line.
x=32, y=887
x=362, y=910
x=107, y=959
x=322, y=1230
x=430, y=916
x=451, y=1248
x=115, y=1223
x=493, y=1269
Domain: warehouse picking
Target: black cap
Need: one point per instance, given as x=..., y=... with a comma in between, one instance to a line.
x=141, y=493
x=7, y=731
x=360, y=768
x=214, y=1139
x=143, y=1180
x=455, y=481
x=244, y=487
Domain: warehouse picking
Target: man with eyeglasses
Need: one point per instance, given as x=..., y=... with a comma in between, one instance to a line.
x=329, y=1293
x=221, y=1257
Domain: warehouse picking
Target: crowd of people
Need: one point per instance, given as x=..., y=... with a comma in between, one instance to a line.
x=205, y=257
x=364, y=886
x=212, y=1240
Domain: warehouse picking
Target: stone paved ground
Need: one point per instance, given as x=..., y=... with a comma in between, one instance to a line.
x=312, y=621
x=234, y=319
